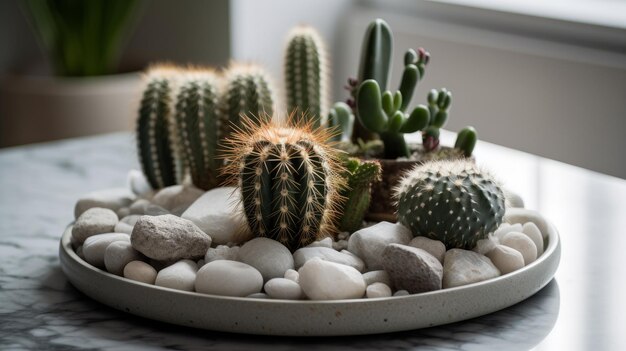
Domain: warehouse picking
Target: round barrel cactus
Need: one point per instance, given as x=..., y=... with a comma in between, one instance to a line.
x=454, y=202
x=289, y=180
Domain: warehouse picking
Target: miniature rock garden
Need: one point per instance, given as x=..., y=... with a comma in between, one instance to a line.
x=320, y=203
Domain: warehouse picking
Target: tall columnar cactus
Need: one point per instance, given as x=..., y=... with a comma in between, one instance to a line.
x=451, y=201
x=306, y=74
x=248, y=91
x=289, y=180
x=153, y=131
x=197, y=125
x=359, y=176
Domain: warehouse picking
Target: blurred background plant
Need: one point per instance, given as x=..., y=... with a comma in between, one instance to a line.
x=83, y=38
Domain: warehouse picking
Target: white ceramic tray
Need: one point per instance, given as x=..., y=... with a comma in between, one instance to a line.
x=323, y=318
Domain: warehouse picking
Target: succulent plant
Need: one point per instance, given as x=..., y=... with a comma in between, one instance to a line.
x=438, y=105
x=451, y=201
x=154, y=144
x=248, y=91
x=466, y=140
x=341, y=119
x=306, y=74
x=197, y=125
x=289, y=180
x=359, y=176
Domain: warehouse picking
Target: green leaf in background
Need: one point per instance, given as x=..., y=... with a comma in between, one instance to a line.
x=82, y=37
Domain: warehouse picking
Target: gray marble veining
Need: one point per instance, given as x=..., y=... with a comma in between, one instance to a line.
x=39, y=309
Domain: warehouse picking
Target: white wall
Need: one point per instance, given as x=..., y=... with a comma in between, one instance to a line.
x=259, y=30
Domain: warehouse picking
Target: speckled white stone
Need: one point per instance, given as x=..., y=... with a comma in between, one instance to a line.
x=93, y=221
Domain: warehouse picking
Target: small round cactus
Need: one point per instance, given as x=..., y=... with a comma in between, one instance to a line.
x=451, y=201
x=289, y=180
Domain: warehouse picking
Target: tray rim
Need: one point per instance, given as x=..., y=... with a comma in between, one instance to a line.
x=71, y=262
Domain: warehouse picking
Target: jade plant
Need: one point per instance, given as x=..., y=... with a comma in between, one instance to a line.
x=359, y=176
x=196, y=121
x=154, y=142
x=248, y=91
x=454, y=202
x=289, y=179
x=306, y=74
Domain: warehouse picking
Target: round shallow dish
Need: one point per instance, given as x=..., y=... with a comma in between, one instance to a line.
x=322, y=318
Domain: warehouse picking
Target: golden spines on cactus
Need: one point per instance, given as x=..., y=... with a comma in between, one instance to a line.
x=289, y=179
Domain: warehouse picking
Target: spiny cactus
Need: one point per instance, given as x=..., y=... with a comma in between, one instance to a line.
x=451, y=201
x=153, y=131
x=359, y=176
x=248, y=91
x=289, y=180
x=341, y=119
x=306, y=74
x=197, y=124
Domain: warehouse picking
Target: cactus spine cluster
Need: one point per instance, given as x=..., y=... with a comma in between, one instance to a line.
x=306, y=74
x=289, y=181
x=197, y=124
x=248, y=92
x=359, y=177
x=451, y=201
x=154, y=143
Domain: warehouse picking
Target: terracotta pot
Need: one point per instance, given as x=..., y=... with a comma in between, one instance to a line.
x=382, y=206
x=35, y=108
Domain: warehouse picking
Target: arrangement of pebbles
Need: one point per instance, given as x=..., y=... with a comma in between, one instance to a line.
x=183, y=238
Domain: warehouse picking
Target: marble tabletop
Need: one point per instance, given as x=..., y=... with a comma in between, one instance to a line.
x=582, y=308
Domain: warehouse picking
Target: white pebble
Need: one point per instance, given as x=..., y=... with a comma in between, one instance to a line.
x=506, y=228
x=325, y=280
x=326, y=242
x=118, y=254
x=228, y=278
x=281, y=288
x=292, y=274
x=140, y=271
x=484, y=246
x=506, y=259
x=93, y=221
x=122, y=227
x=533, y=232
x=377, y=290
x=268, y=256
x=181, y=275
x=222, y=252
x=380, y=276
x=95, y=246
x=343, y=236
x=401, y=293
x=523, y=244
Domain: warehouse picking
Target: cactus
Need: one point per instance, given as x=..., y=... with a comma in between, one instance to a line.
x=341, y=119
x=289, y=180
x=248, y=91
x=438, y=105
x=306, y=74
x=381, y=113
x=466, y=141
x=154, y=144
x=359, y=176
x=451, y=201
x=376, y=64
x=197, y=124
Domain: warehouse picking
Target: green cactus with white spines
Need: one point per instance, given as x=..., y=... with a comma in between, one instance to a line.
x=154, y=143
x=248, y=91
x=197, y=124
x=306, y=81
x=451, y=201
x=289, y=181
x=359, y=177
